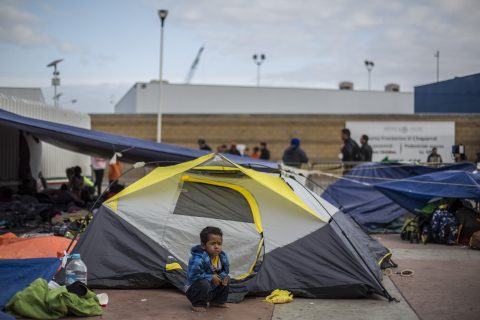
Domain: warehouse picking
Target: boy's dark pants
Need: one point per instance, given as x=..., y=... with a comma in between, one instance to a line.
x=202, y=291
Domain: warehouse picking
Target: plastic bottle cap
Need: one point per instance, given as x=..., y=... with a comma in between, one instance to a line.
x=76, y=256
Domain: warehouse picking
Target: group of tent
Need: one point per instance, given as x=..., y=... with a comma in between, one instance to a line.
x=376, y=194
x=277, y=233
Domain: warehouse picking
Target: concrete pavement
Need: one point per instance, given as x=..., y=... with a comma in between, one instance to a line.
x=446, y=280
x=445, y=285
x=348, y=309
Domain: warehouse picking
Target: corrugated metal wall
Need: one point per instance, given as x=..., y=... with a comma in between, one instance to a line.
x=458, y=95
x=54, y=160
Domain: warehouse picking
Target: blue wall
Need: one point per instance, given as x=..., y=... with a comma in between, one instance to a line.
x=459, y=95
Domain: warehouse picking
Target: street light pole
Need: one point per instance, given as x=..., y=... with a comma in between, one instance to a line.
x=162, y=14
x=55, y=80
x=258, y=59
x=369, y=65
x=437, y=55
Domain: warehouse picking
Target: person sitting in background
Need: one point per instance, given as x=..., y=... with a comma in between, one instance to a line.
x=222, y=148
x=444, y=224
x=469, y=221
x=202, y=144
x=77, y=182
x=256, y=153
x=233, y=150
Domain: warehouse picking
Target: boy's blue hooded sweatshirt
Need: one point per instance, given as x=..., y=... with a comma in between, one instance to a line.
x=200, y=265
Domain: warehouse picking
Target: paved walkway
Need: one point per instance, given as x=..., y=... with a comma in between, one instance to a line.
x=446, y=280
x=348, y=309
x=445, y=285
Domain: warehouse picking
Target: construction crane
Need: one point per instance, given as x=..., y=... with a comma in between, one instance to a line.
x=190, y=74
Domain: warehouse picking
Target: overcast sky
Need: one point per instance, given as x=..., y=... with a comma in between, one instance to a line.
x=108, y=45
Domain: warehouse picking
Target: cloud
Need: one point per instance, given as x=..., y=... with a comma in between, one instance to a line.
x=18, y=27
x=307, y=40
x=22, y=28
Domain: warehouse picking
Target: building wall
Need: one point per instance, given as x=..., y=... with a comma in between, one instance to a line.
x=320, y=134
x=128, y=102
x=458, y=95
x=210, y=99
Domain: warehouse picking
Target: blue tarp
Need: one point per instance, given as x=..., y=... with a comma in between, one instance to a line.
x=368, y=206
x=414, y=193
x=104, y=144
x=17, y=274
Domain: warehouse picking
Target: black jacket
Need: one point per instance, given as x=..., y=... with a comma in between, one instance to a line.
x=366, y=152
x=350, y=151
x=294, y=156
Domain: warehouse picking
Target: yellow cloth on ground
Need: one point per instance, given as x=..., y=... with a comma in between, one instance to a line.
x=280, y=296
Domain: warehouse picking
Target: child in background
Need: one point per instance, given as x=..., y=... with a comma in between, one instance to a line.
x=208, y=268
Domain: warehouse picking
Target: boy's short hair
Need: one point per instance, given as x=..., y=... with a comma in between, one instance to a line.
x=207, y=231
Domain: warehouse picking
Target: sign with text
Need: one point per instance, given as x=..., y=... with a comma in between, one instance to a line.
x=406, y=140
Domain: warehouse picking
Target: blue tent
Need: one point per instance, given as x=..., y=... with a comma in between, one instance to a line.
x=104, y=144
x=355, y=193
x=17, y=274
x=414, y=193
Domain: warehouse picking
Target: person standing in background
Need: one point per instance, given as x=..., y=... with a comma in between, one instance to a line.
x=264, y=152
x=434, y=157
x=365, y=150
x=350, y=150
x=114, y=170
x=294, y=156
x=98, y=165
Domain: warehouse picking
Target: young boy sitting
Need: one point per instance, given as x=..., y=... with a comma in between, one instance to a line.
x=208, y=270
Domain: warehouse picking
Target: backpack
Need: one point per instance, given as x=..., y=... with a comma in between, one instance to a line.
x=475, y=240
x=411, y=230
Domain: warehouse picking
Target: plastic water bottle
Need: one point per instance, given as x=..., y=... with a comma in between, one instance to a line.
x=76, y=270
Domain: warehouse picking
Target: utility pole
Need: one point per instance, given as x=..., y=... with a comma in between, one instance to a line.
x=437, y=55
x=55, y=81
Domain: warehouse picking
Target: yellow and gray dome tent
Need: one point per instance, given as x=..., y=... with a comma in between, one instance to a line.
x=277, y=234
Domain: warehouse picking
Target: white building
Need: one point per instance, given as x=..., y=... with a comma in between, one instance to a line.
x=216, y=99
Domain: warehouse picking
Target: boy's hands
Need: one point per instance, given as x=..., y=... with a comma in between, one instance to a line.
x=225, y=281
x=216, y=280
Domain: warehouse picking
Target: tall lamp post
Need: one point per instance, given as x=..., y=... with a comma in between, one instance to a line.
x=55, y=80
x=369, y=65
x=162, y=14
x=258, y=59
x=437, y=55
